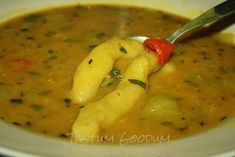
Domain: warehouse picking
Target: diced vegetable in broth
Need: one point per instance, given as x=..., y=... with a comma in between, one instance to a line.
x=167, y=68
x=161, y=106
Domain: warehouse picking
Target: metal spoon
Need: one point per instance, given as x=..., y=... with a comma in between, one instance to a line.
x=214, y=14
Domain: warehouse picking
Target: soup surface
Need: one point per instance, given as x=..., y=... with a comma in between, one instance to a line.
x=39, y=54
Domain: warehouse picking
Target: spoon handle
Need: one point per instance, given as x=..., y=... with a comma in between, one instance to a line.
x=212, y=15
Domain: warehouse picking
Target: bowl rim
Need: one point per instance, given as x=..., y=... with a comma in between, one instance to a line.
x=219, y=137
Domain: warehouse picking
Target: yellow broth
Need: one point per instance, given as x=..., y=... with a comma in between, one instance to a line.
x=39, y=54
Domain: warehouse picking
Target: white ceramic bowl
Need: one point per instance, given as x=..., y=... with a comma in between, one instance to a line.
x=17, y=142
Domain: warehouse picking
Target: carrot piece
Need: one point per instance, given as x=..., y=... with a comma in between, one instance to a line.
x=19, y=65
x=161, y=48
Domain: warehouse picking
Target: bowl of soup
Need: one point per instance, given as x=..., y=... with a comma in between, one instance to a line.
x=72, y=84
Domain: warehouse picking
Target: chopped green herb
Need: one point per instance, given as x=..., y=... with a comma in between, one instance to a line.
x=67, y=102
x=100, y=35
x=114, y=76
x=92, y=46
x=222, y=69
x=30, y=38
x=123, y=50
x=167, y=123
x=183, y=128
x=115, y=72
x=51, y=51
x=22, y=93
x=36, y=107
x=219, y=54
x=16, y=101
x=81, y=107
x=24, y=29
x=51, y=57
x=182, y=61
x=28, y=123
x=45, y=131
x=43, y=93
x=63, y=135
x=39, y=46
x=109, y=84
x=32, y=18
x=205, y=58
x=72, y=40
x=166, y=17
x=19, y=83
x=50, y=34
x=223, y=118
x=67, y=28
x=90, y=61
x=202, y=123
x=109, y=81
x=34, y=73
x=193, y=80
x=16, y=123
x=203, y=53
x=141, y=119
x=138, y=82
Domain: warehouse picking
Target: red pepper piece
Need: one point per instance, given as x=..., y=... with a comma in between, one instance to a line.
x=161, y=48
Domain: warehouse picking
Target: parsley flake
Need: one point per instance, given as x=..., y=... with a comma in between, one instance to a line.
x=138, y=82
